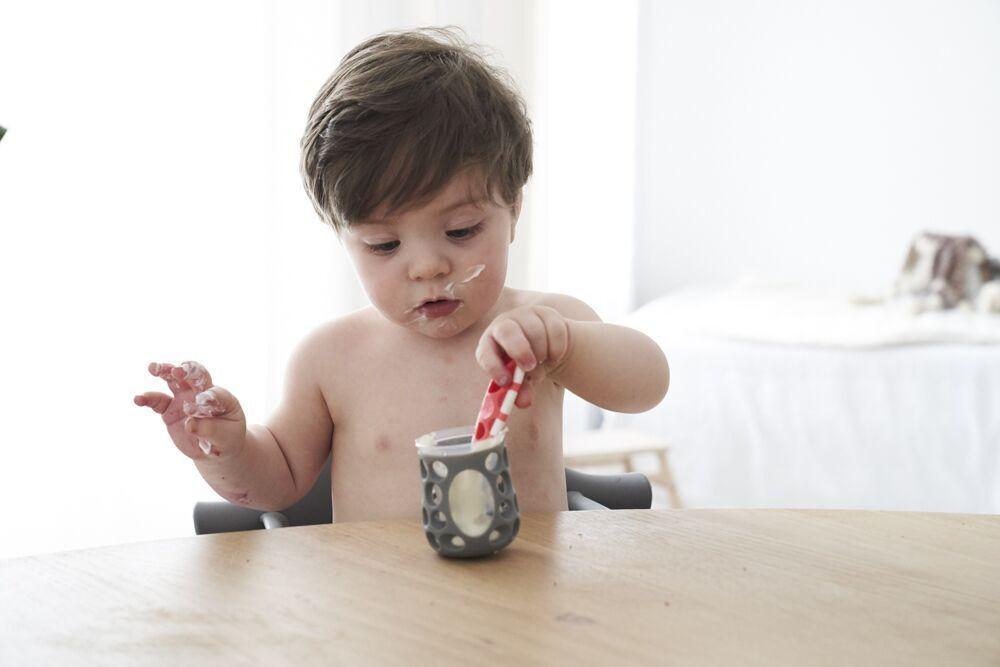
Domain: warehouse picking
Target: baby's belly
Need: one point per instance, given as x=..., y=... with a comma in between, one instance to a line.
x=369, y=486
x=376, y=475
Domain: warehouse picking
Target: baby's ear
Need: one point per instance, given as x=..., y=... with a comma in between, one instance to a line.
x=518, y=200
x=515, y=214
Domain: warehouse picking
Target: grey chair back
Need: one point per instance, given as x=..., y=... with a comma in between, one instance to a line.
x=222, y=517
x=624, y=491
x=585, y=491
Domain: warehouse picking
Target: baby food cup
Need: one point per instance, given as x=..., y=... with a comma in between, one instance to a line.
x=469, y=506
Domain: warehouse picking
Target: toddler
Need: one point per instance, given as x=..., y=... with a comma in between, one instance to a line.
x=415, y=152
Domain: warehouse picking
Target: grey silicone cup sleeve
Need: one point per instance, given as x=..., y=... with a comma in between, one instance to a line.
x=439, y=526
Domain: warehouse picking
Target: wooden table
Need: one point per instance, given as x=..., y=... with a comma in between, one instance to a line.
x=668, y=587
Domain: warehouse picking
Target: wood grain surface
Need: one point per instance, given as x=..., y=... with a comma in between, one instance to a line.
x=667, y=587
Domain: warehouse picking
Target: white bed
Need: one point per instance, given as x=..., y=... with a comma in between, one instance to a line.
x=835, y=411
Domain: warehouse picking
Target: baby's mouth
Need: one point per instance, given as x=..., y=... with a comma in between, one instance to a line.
x=438, y=307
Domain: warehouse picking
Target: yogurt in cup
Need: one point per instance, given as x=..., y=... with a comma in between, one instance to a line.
x=469, y=505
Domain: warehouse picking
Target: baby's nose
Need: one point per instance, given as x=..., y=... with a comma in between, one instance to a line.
x=429, y=266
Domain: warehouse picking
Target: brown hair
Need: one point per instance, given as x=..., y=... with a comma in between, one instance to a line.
x=401, y=115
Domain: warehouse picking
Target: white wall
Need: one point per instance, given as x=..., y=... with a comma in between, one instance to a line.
x=135, y=191
x=585, y=154
x=151, y=210
x=809, y=141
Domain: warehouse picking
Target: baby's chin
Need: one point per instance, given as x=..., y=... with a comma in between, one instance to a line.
x=440, y=331
x=441, y=328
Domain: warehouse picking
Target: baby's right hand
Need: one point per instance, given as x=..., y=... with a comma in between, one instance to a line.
x=203, y=420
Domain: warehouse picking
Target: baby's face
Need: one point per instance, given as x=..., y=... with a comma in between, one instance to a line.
x=450, y=249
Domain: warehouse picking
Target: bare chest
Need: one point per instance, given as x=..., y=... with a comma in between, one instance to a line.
x=375, y=464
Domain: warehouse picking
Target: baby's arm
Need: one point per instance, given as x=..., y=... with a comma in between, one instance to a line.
x=282, y=459
x=611, y=366
x=264, y=467
x=301, y=426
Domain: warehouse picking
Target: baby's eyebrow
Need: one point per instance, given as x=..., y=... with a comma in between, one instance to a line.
x=468, y=201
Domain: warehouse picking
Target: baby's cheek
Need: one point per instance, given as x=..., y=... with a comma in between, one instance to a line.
x=383, y=296
x=491, y=281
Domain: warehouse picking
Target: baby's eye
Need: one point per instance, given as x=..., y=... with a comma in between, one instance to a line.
x=466, y=232
x=383, y=248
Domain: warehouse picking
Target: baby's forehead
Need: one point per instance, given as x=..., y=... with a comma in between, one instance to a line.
x=457, y=197
x=439, y=210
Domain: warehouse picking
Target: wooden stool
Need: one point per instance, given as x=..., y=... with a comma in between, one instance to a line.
x=618, y=446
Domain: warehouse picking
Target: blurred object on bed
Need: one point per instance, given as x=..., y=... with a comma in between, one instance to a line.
x=942, y=272
x=788, y=397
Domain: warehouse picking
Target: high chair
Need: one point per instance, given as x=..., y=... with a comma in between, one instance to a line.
x=585, y=491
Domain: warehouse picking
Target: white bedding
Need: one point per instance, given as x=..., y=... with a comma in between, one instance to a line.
x=810, y=316
x=754, y=424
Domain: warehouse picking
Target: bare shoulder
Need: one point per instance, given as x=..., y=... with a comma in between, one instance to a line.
x=329, y=344
x=330, y=351
x=357, y=324
x=568, y=306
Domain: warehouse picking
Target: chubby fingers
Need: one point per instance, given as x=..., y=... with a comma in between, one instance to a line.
x=556, y=331
x=165, y=373
x=189, y=375
x=158, y=402
x=207, y=416
x=490, y=357
x=192, y=375
x=533, y=329
x=206, y=404
x=522, y=341
x=525, y=394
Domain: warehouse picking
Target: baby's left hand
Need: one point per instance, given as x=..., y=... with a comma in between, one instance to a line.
x=535, y=337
